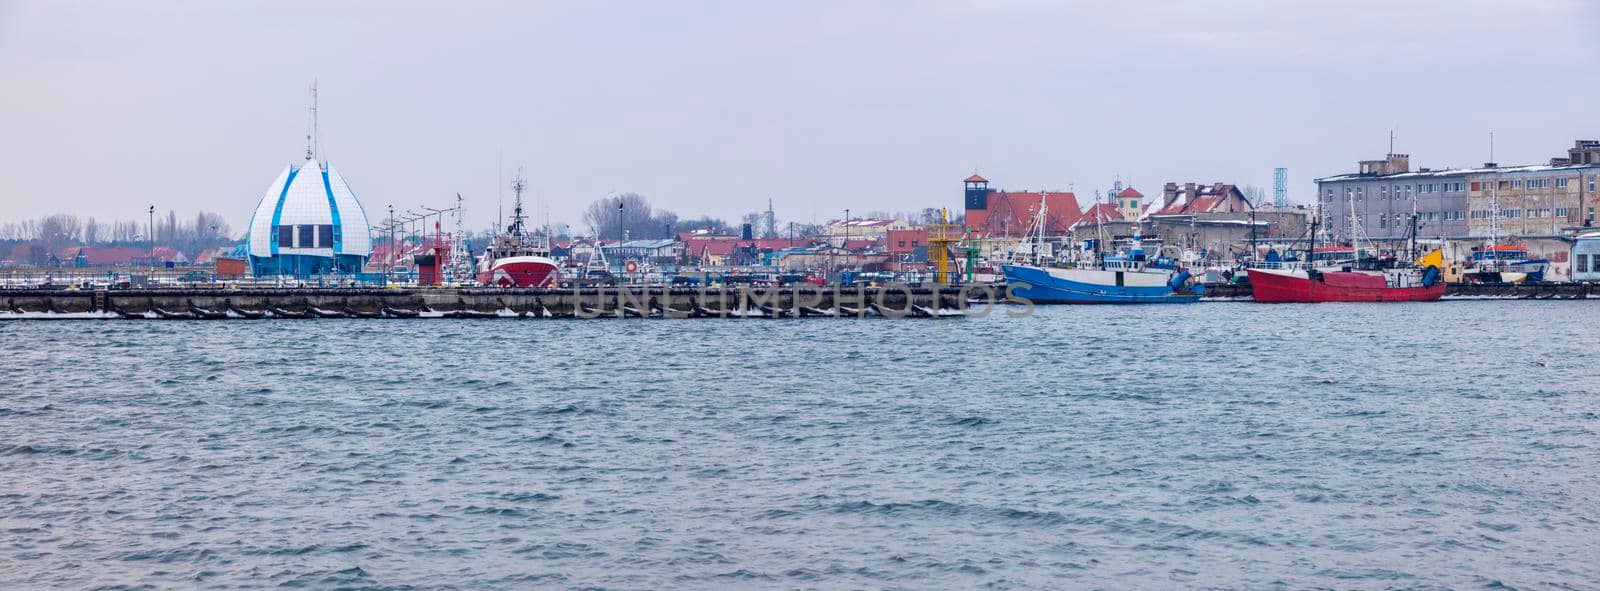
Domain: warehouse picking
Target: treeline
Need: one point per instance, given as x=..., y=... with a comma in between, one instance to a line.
x=55, y=232
x=631, y=215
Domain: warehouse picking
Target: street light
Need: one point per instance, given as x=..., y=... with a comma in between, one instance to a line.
x=620, y=232
x=846, y=244
x=150, y=257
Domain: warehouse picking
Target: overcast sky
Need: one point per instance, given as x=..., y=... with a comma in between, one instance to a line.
x=712, y=108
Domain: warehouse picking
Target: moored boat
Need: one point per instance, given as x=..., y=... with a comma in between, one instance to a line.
x=1280, y=286
x=1505, y=263
x=1128, y=277
x=515, y=259
x=1355, y=280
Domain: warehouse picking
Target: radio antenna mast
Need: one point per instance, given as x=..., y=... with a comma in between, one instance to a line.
x=311, y=133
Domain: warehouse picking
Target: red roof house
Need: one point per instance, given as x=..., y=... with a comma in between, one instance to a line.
x=1011, y=213
x=1193, y=199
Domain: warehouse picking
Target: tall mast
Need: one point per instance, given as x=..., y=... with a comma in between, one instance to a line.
x=1312, y=250
x=1044, y=206
x=311, y=124
x=518, y=184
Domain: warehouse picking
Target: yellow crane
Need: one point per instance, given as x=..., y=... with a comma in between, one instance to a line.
x=941, y=237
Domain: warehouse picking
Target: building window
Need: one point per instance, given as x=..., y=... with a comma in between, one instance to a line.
x=286, y=236
x=325, y=236
x=1561, y=183
x=1516, y=184
x=305, y=234
x=1583, y=263
x=1383, y=221
x=1383, y=192
x=1477, y=186
x=1561, y=212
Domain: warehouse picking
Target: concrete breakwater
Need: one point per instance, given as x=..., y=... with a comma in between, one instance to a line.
x=639, y=302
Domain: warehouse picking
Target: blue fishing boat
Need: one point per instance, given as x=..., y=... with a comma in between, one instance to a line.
x=1127, y=277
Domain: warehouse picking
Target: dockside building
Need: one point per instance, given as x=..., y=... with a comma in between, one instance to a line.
x=308, y=223
x=1534, y=201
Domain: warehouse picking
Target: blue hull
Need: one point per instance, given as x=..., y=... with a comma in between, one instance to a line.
x=1036, y=285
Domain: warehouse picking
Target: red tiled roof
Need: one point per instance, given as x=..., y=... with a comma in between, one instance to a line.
x=1011, y=213
x=1130, y=192
x=975, y=179
x=1106, y=212
x=1207, y=199
x=107, y=255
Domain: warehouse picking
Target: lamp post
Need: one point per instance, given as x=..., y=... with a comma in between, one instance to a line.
x=150, y=257
x=621, y=266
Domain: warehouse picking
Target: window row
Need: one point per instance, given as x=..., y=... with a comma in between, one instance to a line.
x=304, y=236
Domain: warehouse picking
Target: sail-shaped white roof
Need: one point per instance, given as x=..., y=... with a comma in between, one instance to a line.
x=306, y=198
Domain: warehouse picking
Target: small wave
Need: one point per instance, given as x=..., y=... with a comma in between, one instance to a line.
x=970, y=421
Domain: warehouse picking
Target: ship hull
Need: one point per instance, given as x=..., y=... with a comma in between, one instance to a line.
x=1287, y=287
x=1093, y=286
x=522, y=271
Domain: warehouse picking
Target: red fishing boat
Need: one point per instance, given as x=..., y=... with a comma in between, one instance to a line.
x=1328, y=279
x=1281, y=286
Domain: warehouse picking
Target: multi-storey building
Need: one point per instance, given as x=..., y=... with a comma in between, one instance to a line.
x=1533, y=201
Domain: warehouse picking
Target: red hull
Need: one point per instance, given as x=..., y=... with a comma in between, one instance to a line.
x=521, y=272
x=1278, y=288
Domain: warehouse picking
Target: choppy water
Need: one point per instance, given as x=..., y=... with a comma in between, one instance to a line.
x=1451, y=445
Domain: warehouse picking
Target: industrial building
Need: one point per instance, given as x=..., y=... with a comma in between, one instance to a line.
x=1532, y=201
x=308, y=223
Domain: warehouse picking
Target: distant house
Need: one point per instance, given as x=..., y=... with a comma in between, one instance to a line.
x=905, y=241
x=720, y=251
x=1100, y=212
x=663, y=250
x=1194, y=199
x=1129, y=203
x=108, y=256
x=837, y=231
x=992, y=213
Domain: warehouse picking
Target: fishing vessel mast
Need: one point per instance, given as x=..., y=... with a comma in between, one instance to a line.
x=1490, y=261
x=518, y=184
x=1355, y=232
x=1036, y=229
x=460, y=259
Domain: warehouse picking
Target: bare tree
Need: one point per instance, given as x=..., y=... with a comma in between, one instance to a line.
x=629, y=213
x=59, y=231
x=1253, y=193
x=91, y=231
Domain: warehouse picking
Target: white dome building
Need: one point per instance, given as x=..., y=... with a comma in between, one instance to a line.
x=308, y=223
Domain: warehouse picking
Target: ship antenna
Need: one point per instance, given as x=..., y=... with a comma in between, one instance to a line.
x=311, y=132
x=500, y=192
x=518, y=184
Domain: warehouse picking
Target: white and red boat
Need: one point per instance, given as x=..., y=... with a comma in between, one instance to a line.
x=515, y=259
